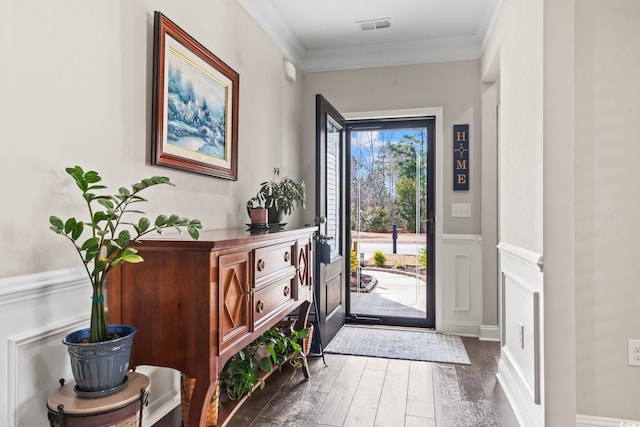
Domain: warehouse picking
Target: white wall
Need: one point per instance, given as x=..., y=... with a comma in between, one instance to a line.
x=534, y=43
x=489, y=214
x=513, y=56
x=517, y=36
x=75, y=79
x=76, y=89
x=559, y=352
x=607, y=36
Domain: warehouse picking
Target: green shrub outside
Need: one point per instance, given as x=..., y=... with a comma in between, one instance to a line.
x=354, y=261
x=379, y=259
x=423, y=257
x=377, y=220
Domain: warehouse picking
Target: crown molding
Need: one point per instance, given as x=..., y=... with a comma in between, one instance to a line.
x=277, y=30
x=391, y=54
x=486, y=32
x=369, y=56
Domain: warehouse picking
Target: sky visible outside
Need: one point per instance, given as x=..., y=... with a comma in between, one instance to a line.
x=361, y=140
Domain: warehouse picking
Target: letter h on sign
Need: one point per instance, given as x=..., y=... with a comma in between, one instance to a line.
x=460, y=157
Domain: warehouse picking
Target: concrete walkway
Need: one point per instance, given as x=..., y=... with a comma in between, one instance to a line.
x=395, y=295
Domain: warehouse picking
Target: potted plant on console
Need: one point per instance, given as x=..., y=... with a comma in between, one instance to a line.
x=279, y=197
x=108, y=245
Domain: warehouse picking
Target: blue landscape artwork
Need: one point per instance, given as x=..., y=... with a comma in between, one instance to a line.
x=196, y=109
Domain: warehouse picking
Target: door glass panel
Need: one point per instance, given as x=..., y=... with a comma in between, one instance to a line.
x=333, y=186
x=390, y=198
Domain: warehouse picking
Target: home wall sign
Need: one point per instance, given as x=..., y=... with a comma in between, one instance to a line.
x=460, y=157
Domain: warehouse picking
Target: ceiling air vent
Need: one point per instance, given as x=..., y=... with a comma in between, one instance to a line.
x=375, y=24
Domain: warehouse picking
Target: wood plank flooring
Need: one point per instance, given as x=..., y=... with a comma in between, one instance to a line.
x=360, y=391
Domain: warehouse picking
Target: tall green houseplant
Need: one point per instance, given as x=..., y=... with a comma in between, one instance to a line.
x=109, y=243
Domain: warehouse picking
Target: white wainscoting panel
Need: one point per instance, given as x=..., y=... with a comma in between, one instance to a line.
x=462, y=282
x=520, y=366
x=35, y=358
x=460, y=258
x=36, y=312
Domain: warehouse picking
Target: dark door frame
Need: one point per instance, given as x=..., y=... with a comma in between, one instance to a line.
x=329, y=274
x=429, y=123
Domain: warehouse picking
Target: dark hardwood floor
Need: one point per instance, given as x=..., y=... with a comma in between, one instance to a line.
x=471, y=395
x=360, y=391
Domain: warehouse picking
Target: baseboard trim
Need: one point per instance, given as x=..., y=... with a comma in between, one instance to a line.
x=466, y=329
x=518, y=394
x=489, y=333
x=155, y=412
x=508, y=391
x=589, y=420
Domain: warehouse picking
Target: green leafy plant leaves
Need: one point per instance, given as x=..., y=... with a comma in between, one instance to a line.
x=284, y=194
x=108, y=246
x=241, y=373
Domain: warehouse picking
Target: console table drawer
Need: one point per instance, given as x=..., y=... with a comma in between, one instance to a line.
x=267, y=302
x=270, y=260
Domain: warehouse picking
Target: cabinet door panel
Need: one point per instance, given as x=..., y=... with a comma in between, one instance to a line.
x=234, y=279
x=304, y=262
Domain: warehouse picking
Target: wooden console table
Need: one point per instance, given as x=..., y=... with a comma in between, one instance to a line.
x=196, y=303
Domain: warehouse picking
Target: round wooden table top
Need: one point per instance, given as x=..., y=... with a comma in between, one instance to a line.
x=74, y=404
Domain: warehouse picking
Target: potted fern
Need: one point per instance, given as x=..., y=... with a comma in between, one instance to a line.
x=104, y=242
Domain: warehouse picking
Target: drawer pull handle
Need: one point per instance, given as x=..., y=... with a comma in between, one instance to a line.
x=287, y=291
x=260, y=264
x=260, y=306
x=287, y=256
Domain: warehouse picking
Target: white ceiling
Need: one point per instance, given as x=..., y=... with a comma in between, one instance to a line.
x=320, y=35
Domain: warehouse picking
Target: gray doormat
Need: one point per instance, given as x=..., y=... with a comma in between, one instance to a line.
x=396, y=343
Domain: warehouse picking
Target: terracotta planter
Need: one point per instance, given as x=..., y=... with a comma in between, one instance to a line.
x=258, y=216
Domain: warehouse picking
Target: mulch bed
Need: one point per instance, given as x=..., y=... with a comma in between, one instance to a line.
x=367, y=282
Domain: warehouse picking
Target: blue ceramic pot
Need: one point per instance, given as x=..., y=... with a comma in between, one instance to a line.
x=99, y=368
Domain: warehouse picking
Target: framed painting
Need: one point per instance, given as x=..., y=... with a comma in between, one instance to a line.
x=195, y=105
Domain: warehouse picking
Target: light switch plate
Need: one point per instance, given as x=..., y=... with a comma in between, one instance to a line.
x=461, y=210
